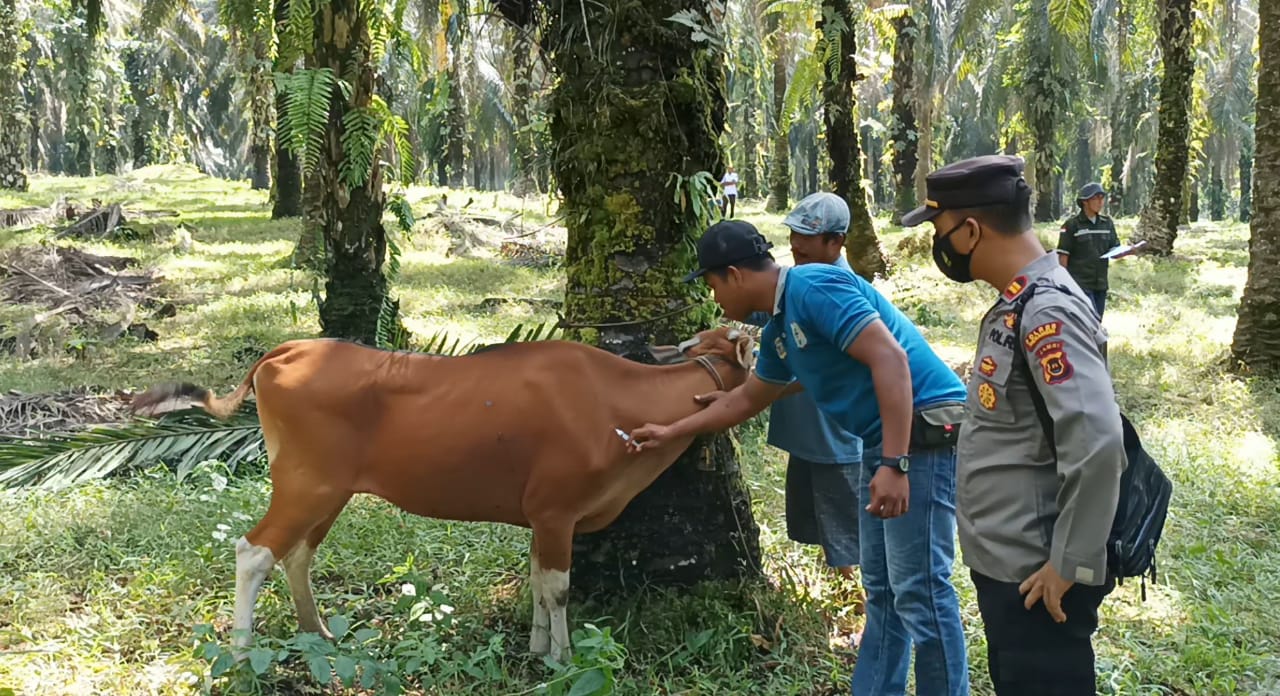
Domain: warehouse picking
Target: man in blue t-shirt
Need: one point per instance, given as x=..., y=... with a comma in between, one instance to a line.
x=868, y=368
x=823, y=472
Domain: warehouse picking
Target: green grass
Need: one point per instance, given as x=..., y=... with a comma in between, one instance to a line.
x=102, y=587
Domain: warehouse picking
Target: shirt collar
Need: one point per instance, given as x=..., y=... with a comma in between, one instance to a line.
x=782, y=286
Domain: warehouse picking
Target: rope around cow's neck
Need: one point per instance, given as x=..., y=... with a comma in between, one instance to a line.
x=705, y=361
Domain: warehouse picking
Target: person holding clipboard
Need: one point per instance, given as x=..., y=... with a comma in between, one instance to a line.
x=1086, y=244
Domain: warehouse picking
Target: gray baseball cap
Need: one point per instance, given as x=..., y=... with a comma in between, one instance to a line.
x=819, y=213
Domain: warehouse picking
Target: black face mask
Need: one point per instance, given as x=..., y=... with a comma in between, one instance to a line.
x=953, y=264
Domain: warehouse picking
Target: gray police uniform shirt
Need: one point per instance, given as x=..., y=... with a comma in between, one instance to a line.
x=1017, y=505
x=798, y=427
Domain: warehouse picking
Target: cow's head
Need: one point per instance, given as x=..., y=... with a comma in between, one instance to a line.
x=732, y=345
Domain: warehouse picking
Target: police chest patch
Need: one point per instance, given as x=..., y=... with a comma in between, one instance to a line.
x=1009, y=320
x=798, y=334
x=987, y=396
x=988, y=366
x=1055, y=368
x=780, y=346
x=1042, y=332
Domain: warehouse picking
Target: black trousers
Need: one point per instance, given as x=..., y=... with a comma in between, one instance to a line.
x=1030, y=654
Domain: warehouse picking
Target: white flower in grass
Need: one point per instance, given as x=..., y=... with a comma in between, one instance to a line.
x=408, y=590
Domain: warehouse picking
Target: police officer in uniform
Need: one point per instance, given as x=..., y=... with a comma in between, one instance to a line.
x=1082, y=241
x=1034, y=504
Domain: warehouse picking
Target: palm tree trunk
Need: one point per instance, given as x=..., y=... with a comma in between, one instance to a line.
x=629, y=244
x=779, y=165
x=861, y=245
x=287, y=196
x=1246, y=181
x=458, y=142
x=750, y=187
x=13, y=122
x=1257, y=338
x=1084, y=153
x=526, y=160
x=287, y=183
x=1159, y=222
x=351, y=218
x=1039, y=109
x=902, y=130
x=261, y=106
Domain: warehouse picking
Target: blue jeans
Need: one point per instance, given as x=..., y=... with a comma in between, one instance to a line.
x=906, y=571
x=1098, y=298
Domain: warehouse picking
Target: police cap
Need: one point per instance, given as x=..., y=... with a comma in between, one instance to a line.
x=971, y=183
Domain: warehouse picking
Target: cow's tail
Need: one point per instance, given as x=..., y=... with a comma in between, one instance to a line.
x=166, y=398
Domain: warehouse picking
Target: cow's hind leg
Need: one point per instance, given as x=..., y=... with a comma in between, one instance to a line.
x=294, y=512
x=540, y=634
x=297, y=568
x=554, y=550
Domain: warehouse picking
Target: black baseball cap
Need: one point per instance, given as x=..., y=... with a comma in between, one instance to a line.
x=971, y=183
x=726, y=243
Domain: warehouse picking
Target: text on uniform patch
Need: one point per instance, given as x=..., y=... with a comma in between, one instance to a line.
x=1042, y=332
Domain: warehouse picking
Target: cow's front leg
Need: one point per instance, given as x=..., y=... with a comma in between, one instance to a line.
x=554, y=552
x=540, y=634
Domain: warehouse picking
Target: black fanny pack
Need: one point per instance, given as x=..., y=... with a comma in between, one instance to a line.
x=937, y=426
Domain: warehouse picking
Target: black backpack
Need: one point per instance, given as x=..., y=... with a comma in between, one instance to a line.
x=1144, y=489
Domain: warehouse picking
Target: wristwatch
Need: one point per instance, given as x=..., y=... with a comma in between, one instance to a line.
x=902, y=463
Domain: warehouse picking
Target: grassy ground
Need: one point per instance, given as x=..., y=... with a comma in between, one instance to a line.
x=104, y=588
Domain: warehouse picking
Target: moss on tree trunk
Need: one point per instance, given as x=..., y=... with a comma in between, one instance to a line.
x=1159, y=222
x=635, y=104
x=13, y=132
x=1257, y=339
x=861, y=245
x=903, y=133
x=350, y=218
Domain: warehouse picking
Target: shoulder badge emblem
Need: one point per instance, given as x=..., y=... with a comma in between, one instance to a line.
x=987, y=396
x=780, y=346
x=1016, y=286
x=798, y=334
x=1055, y=368
x=988, y=366
x=1042, y=332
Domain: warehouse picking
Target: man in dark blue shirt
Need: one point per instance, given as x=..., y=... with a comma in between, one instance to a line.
x=868, y=368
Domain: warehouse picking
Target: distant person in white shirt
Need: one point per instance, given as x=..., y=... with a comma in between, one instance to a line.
x=730, y=185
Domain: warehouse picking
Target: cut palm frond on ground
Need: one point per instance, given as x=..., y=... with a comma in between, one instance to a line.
x=183, y=441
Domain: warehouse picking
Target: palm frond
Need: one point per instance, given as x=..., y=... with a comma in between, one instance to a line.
x=66, y=459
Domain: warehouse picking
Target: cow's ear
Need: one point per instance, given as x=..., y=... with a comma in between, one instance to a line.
x=746, y=350
x=667, y=355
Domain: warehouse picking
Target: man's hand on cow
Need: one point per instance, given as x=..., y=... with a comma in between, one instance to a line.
x=1048, y=585
x=709, y=398
x=890, y=493
x=648, y=436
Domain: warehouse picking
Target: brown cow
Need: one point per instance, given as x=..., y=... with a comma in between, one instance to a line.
x=521, y=433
